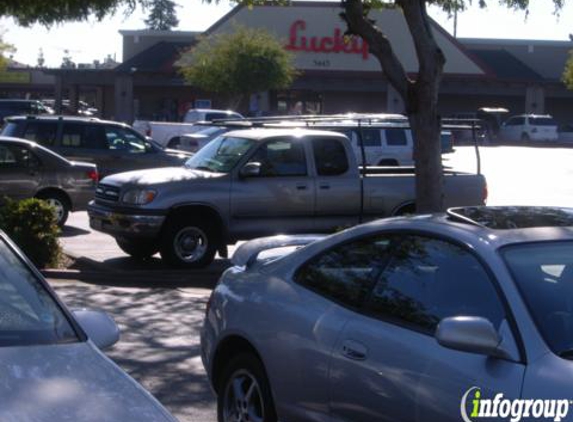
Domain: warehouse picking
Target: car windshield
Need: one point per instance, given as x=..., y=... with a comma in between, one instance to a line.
x=220, y=155
x=28, y=314
x=543, y=273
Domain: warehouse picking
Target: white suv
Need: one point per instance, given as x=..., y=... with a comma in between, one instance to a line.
x=529, y=127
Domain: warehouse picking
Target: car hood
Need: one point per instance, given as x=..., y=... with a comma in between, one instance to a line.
x=157, y=176
x=72, y=382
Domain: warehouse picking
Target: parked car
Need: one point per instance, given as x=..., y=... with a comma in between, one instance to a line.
x=193, y=142
x=168, y=133
x=252, y=183
x=28, y=170
x=208, y=115
x=398, y=319
x=529, y=127
x=114, y=147
x=15, y=107
x=565, y=133
x=52, y=368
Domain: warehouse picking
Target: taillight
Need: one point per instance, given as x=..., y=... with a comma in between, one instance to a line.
x=93, y=175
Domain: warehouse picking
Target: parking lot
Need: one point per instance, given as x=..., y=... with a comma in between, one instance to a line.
x=160, y=310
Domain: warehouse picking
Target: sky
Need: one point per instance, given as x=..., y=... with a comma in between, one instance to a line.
x=89, y=41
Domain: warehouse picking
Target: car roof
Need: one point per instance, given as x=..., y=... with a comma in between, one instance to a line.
x=498, y=226
x=79, y=119
x=260, y=134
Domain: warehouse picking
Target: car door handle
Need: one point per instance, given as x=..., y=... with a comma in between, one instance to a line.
x=301, y=187
x=354, y=350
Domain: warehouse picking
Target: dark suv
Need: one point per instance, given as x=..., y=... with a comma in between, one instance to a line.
x=14, y=107
x=114, y=147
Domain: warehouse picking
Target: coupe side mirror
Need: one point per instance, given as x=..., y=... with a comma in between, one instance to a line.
x=250, y=170
x=470, y=334
x=99, y=327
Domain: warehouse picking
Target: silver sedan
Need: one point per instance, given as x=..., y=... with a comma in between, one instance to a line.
x=458, y=316
x=52, y=368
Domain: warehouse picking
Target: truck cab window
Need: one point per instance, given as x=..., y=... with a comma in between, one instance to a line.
x=329, y=157
x=281, y=158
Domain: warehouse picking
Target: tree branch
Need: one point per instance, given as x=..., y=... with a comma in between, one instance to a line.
x=379, y=45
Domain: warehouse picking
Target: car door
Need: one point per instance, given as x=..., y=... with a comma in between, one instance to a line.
x=280, y=199
x=337, y=185
x=387, y=365
x=331, y=285
x=132, y=152
x=20, y=174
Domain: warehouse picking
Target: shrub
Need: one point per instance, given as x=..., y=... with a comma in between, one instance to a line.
x=31, y=224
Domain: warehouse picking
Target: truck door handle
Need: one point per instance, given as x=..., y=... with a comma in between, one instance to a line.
x=324, y=187
x=354, y=350
x=301, y=187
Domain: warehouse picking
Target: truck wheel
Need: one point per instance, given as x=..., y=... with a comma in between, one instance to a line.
x=59, y=203
x=138, y=249
x=189, y=244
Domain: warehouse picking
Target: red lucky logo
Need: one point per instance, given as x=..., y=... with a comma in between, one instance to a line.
x=334, y=44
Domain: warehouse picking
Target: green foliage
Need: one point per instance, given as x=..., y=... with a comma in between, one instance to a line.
x=162, y=16
x=243, y=62
x=4, y=49
x=31, y=224
x=567, y=76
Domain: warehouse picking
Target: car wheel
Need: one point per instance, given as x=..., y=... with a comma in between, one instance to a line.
x=525, y=137
x=60, y=205
x=138, y=249
x=188, y=245
x=244, y=393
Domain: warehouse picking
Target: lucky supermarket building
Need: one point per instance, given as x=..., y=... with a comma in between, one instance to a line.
x=521, y=75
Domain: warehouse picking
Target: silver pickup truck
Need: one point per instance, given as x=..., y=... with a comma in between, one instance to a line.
x=252, y=183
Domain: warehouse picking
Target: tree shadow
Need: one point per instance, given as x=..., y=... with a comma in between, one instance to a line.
x=160, y=340
x=72, y=231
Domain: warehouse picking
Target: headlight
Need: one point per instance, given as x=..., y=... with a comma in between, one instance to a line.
x=139, y=196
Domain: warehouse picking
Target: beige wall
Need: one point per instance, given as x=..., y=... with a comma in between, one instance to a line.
x=315, y=32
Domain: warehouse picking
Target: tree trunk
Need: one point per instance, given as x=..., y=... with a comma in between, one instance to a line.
x=420, y=96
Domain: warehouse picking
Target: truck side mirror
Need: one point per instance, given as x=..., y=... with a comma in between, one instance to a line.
x=252, y=169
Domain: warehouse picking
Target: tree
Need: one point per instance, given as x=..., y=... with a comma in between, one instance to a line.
x=162, y=16
x=241, y=63
x=4, y=49
x=67, y=62
x=567, y=77
x=41, y=60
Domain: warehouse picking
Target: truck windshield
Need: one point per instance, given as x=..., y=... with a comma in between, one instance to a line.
x=220, y=155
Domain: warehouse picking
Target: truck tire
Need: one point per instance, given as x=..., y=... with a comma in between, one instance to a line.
x=189, y=244
x=60, y=203
x=138, y=249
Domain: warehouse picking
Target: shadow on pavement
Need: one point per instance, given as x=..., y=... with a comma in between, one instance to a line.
x=71, y=231
x=160, y=345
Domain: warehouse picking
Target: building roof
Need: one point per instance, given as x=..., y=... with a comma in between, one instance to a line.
x=158, y=58
x=505, y=66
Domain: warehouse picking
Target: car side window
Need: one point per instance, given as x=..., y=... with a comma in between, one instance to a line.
x=346, y=273
x=119, y=138
x=429, y=279
x=329, y=157
x=16, y=157
x=281, y=158
x=370, y=137
x=79, y=135
x=44, y=133
x=396, y=137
